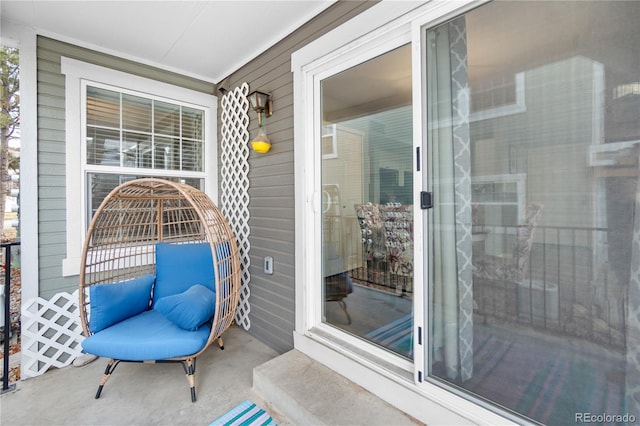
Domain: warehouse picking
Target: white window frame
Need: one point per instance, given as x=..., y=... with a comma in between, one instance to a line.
x=78, y=75
x=379, y=29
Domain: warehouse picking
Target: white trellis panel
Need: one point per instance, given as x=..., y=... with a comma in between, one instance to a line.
x=234, y=199
x=51, y=333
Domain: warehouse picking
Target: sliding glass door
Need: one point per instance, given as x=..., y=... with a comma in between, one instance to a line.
x=520, y=279
x=367, y=201
x=532, y=147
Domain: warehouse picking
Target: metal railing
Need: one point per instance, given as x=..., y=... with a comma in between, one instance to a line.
x=7, y=315
x=571, y=285
x=575, y=283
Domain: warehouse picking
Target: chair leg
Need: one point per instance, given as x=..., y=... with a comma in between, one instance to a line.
x=220, y=343
x=190, y=369
x=111, y=366
x=343, y=305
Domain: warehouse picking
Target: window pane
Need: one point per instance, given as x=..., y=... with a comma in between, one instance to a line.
x=367, y=205
x=166, y=119
x=103, y=107
x=192, y=158
x=136, y=113
x=136, y=150
x=167, y=153
x=192, y=123
x=147, y=137
x=103, y=147
x=533, y=141
x=101, y=184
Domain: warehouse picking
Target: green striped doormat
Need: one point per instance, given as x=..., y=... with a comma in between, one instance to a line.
x=245, y=414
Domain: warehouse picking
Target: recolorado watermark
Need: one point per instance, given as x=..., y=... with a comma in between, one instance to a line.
x=604, y=418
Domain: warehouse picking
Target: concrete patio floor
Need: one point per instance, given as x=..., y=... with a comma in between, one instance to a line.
x=140, y=394
x=294, y=389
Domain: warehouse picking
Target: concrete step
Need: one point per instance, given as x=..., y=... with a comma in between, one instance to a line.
x=308, y=393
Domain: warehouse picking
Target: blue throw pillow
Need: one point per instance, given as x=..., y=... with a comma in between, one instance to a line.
x=189, y=309
x=112, y=303
x=180, y=266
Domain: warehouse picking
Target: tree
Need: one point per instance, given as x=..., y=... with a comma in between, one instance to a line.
x=9, y=119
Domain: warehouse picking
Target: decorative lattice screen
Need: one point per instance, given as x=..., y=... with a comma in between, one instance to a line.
x=51, y=333
x=234, y=199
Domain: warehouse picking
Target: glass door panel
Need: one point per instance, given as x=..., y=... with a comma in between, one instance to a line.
x=367, y=201
x=533, y=141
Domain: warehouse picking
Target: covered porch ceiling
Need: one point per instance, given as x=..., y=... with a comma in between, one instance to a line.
x=201, y=39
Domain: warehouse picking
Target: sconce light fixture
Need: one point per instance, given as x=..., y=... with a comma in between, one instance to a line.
x=263, y=106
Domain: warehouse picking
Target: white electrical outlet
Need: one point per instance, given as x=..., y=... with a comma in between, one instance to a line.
x=268, y=265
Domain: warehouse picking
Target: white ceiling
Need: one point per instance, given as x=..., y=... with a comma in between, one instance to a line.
x=203, y=39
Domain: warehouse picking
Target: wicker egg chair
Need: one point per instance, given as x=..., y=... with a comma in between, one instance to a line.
x=152, y=241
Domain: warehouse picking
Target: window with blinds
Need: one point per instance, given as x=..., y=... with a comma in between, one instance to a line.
x=129, y=135
x=125, y=130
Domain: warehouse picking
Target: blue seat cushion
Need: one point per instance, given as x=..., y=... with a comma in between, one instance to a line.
x=112, y=303
x=145, y=337
x=180, y=266
x=189, y=309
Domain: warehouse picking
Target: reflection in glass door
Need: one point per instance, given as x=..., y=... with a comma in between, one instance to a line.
x=533, y=141
x=367, y=201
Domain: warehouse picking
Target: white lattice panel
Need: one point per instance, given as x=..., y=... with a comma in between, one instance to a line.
x=234, y=199
x=51, y=333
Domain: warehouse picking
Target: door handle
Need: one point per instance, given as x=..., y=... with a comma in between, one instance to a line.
x=426, y=200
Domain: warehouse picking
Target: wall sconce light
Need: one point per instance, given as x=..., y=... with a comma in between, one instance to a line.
x=263, y=106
